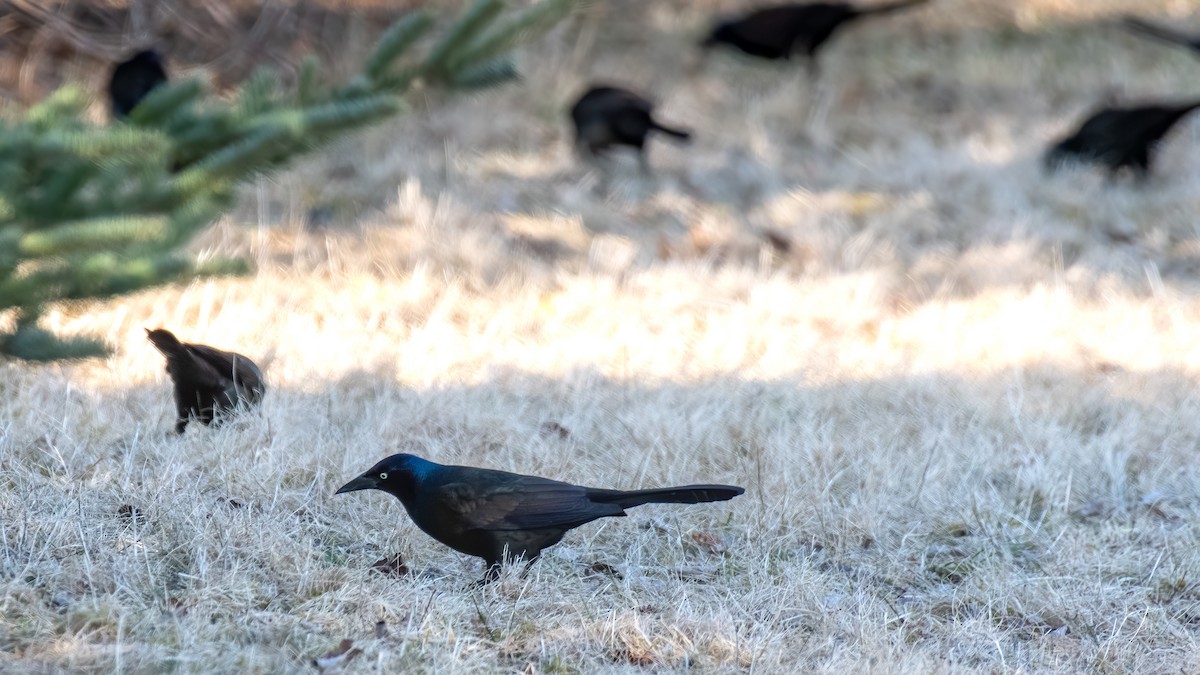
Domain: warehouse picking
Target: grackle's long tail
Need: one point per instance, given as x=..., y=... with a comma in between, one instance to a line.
x=1182, y=111
x=687, y=494
x=886, y=9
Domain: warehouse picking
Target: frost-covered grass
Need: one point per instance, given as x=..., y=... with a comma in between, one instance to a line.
x=961, y=396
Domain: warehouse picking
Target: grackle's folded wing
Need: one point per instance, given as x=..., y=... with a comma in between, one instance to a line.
x=229, y=370
x=523, y=503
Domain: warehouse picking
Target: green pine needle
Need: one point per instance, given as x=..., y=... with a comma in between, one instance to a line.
x=486, y=74
x=164, y=103
x=66, y=104
x=395, y=41
x=308, y=81
x=460, y=34
x=501, y=38
x=91, y=234
x=36, y=344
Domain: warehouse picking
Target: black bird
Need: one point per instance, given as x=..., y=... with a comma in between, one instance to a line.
x=133, y=79
x=501, y=516
x=1165, y=34
x=206, y=380
x=608, y=116
x=1119, y=137
x=778, y=32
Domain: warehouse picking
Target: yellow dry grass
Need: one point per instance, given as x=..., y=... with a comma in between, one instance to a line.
x=963, y=401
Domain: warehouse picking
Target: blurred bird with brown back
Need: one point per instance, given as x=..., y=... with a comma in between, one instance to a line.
x=608, y=116
x=133, y=79
x=781, y=31
x=501, y=516
x=208, y=382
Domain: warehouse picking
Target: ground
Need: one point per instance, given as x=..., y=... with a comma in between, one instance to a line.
x=960, y=394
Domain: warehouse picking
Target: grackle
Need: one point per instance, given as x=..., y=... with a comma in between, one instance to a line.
x=1161, y=33
x=1119, y=137
x=608, y=116
x=133, y=79
x=501, y=516
x=206, y=380
x=779, y=32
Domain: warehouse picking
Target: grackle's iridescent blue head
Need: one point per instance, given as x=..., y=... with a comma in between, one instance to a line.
x=396, y=475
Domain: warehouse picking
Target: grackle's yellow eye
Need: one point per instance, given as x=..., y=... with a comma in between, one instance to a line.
x=383, y=476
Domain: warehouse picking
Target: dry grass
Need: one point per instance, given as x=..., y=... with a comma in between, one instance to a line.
x=963, y=402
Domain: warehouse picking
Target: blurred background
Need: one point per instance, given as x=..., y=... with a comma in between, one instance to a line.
x=915, y=153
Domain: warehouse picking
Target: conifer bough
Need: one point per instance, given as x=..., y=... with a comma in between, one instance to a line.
x=95, y=211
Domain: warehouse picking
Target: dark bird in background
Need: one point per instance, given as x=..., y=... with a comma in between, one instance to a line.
x=133, y=79
x=605, y=117
x=207, y=380
x=1160, y=33
x=501, y=516
x=1119, y=137
x=779, y=32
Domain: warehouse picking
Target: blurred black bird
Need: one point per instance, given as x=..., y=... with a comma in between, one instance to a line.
x=1119, y=137
x=781, y=31
x=1160, y=33
x=501, y=516
x=609, y=116
x=207, y=380
x=133, y=79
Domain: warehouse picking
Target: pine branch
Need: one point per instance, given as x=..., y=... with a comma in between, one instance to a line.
x=90, y=234
x=501, y=38
x=36, y=344
x=90, y=212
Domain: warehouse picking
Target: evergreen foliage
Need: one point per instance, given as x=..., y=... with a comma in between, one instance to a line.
x=94, y=211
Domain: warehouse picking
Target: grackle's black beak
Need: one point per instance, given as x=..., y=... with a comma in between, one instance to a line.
x=360, y=483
